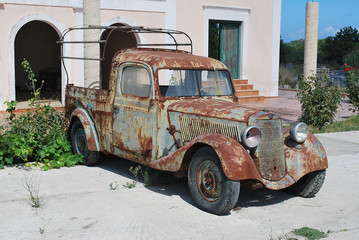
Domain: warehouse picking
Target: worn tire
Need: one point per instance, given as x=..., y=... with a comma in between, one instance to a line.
x=211, y=190
x=309, y=185
x=79, y=144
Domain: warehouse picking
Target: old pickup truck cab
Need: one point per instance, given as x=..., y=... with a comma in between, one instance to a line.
x=178, y=112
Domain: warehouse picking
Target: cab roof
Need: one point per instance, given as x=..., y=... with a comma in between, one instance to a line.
x=166, y=58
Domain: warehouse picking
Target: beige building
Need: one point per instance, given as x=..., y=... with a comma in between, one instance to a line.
x=244, y=34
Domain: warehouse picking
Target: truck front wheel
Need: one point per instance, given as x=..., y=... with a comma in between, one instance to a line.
x=79, y=144
x=211, y=190
x=309, y=185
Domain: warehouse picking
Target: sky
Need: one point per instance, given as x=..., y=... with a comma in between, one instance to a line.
x=333, y=15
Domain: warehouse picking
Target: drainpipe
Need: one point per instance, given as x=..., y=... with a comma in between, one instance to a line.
x=311, y=39
x=91, y=16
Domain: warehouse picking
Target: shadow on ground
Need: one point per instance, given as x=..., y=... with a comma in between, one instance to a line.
x=165, y=183
x=261, y=197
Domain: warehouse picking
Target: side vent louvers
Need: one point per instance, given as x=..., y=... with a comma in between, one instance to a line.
x=194, y=127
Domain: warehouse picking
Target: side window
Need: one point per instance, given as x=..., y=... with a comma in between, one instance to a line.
x=135, y=80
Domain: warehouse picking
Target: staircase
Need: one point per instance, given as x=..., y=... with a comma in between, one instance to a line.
x=245, y=92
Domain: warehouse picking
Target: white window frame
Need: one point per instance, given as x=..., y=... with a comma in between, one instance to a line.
x=229, y=14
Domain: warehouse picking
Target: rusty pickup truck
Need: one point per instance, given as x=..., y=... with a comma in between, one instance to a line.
x=178, y=112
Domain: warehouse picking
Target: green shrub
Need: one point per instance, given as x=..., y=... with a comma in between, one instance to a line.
x=36, y=136
x=320, y=98
x=352, y=87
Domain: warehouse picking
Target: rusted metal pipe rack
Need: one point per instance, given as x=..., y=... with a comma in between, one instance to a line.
x=131, y=31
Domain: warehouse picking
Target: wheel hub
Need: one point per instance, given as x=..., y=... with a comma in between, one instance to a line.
x=209, y=179
x=81, y=142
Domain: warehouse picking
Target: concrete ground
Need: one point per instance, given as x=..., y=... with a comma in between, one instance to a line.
x=77, y=203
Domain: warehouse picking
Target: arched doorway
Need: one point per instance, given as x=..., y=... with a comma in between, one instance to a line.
x=36, y=41
x=117, y=41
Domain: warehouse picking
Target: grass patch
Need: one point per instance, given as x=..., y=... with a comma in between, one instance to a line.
x=309, y=233
x=349, y=124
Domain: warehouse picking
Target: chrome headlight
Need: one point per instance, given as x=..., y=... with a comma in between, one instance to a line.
x=251, y=136
x=299, y=132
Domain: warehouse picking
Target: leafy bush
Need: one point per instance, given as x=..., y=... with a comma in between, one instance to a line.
x=36, y=136
x=320, y=98
x=352, y=87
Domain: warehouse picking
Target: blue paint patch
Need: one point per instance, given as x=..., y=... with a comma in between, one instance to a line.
x=91, y=105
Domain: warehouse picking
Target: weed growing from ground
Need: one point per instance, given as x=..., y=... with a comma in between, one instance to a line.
x=114, y=185
x=150, y=176
x=130, y=184
x=134, y=171
x=32, y=186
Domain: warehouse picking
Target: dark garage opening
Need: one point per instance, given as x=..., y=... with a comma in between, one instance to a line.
x=36, y=41
x=117, y=41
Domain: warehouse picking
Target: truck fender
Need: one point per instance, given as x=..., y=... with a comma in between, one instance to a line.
x=310, y=157
x=237, y=164
x=93, y=143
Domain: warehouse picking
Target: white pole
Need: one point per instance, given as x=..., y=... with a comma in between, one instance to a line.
x=311, y=39
x=91, y=16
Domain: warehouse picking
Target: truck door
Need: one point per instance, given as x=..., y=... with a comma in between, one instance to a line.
x=134, y=115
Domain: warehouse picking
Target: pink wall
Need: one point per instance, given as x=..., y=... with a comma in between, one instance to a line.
x=258, y=42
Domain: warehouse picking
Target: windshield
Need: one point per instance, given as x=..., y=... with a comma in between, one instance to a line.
x=182, y=83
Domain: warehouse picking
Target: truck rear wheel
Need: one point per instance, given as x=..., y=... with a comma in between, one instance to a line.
x=309, y=185
x=211, y=190
x=79, y=144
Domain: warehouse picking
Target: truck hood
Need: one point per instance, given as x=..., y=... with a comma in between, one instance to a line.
x=216, y=109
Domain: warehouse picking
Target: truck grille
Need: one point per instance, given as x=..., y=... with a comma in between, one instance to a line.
x=269, y=156
x=194, y=127
x=270, y=152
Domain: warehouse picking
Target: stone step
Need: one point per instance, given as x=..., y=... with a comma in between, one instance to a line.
x=240, y=81
x=239, y=87
x=245, y=91
x=242, y=93
x=245, y=99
